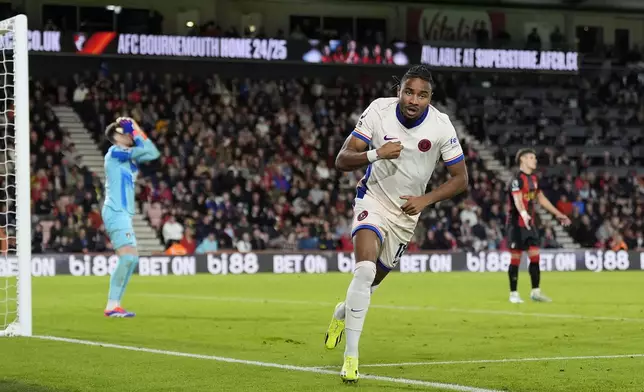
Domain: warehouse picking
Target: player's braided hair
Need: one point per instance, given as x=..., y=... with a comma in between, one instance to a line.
x=522, y=152
x=417, y=71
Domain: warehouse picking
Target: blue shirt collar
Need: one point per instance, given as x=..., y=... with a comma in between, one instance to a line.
x=408, y=123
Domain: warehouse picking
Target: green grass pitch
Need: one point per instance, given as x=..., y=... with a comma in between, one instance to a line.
x=450, y=328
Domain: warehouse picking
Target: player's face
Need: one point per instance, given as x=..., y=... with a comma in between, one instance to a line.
x=123, y=140
x=530, y=160
x=415, y=96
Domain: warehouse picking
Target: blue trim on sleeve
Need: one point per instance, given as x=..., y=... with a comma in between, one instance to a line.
x=361, y=137
x=362, y=189
x=456, y=160
x=138, y=141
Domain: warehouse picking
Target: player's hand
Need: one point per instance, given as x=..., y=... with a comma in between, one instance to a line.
x=390, y=150
x=127, y=124
x=526, y=219
x=564, y=220
x=414, y=205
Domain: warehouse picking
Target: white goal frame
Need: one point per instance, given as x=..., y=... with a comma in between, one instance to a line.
x=17, y=25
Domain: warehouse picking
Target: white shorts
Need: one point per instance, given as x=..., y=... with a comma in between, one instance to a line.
x=394, y=236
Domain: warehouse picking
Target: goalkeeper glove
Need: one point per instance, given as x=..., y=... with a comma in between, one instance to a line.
x=127, y=125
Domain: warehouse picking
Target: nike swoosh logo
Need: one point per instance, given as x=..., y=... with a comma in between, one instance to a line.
x=356, y=310
x=390, y=138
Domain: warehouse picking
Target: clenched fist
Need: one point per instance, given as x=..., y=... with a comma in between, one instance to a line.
x=391, y=150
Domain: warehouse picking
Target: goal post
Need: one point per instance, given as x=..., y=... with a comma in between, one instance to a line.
x=15, y=190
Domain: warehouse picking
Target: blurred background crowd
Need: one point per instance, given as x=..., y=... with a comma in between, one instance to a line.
x=248, y=164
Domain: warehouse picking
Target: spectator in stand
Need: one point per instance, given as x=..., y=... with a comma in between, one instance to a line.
x=188, y=241
x=244, y=245
x=80, y=93
x=80, y=243
x=176, y=249
x=172, y=231
x=327, y=242
x=306, y=238
x=533, y=41
x=565, y=206
x=37, y=240
x=208, y=245
x=548, y=241
x=617, y=243
x=557, y=39
x=259, y=240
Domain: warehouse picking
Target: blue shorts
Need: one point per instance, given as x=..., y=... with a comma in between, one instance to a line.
x=118, y=226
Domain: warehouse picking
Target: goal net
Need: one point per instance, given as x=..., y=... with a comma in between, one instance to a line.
x=15, y=198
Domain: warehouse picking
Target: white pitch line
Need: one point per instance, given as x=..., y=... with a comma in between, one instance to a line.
x=395, y=307
x=429, y=384
x=505, y=360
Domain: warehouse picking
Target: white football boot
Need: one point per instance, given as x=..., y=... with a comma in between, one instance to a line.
x=515, y=298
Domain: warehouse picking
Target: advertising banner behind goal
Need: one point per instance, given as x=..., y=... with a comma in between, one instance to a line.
x=234, y=263
x=338, y=53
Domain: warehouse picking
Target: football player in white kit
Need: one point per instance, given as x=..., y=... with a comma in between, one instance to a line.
x=400, y=140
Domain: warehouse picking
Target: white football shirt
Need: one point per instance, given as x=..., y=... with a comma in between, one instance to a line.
x=425, y=140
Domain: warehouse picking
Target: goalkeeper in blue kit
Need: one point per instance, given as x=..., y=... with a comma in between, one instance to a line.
x=130, y=147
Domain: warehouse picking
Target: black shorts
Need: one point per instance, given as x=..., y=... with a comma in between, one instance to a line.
x=520, y=238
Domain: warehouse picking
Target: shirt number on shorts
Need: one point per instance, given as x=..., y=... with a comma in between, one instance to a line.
x=401, y=251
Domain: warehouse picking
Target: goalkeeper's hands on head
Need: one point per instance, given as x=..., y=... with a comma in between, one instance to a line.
x=128, y=126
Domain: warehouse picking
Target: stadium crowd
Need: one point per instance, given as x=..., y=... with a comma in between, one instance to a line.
x=587, y=132
x=248, y=164
x=65, y=195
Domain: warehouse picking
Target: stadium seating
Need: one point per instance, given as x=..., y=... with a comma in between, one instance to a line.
x=65, y=195
x=252, y=161
x=255, y=166
x=587, y=132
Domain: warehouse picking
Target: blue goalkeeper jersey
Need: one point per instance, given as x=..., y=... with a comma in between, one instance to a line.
x=121, y=169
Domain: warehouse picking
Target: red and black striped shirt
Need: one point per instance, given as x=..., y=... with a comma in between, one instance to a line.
x=526, y=185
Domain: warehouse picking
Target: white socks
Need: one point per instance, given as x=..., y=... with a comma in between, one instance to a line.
x=340, y=310
x=357, y=304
